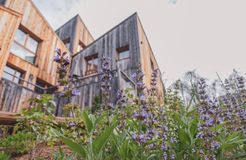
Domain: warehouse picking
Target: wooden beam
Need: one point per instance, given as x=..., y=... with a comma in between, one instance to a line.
x=8, y=118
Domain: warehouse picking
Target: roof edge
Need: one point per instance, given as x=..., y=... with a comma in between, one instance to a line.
x=134, y=14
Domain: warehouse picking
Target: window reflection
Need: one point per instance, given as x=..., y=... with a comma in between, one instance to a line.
x=91, y=64
x=24, y=46
x=124, y=55
x=12, y=74
x=22, y=52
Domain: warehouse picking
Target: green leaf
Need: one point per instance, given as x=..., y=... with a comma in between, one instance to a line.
x=75, y=146
x=102, y=139
x=88, y=121
x=183, y=136
x=193, y=127
x=123, y=150
x=179, y=120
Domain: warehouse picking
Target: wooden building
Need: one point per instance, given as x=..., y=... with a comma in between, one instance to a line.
x=27, y=49
x=127, y=46
x=75, y=34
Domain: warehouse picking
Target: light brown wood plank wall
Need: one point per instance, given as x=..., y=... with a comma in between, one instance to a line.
x=34, y=22
x=147, y=56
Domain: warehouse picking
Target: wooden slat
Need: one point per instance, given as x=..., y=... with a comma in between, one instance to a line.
x=7, y=118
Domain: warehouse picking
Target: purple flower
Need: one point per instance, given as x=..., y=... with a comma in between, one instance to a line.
x=71, y=124
x=172, y=157
x=142, y=98
x=140, y=84
x=215, y=145
x=66, y=61
x=62, y=94
x=75, y=92
x=134, y=75
x=57, y=58
x=163, y=146
x=134, y=136
x=58, y=51
x=172, y=140
x=140, y=116
x=210, y=122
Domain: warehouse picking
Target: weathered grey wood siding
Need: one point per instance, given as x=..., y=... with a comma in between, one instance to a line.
x=128, y=33
x=13, y=97
x=76, y=31
x=90, y=88
x=124, y=34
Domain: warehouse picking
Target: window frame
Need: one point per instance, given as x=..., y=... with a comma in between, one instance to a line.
x=152, y=65
x=66, y=41
x=81, y=45
x=48, y=88
x=13, y=76
x=87, y=59
x=28, y=35
x=121, y=50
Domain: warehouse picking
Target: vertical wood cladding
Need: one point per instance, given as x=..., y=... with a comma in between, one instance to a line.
x=9, y=22
x=129, y=33
x=35, y=24
x=125, y=34
x=24, y=14
x=14, y=97
x=148, y=61
x=76, y=32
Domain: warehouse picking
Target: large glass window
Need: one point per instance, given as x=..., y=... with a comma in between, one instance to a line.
x=91, y=64
x=12, y=74
x=24, y=46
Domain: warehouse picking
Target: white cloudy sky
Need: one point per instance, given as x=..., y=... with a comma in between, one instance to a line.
x=206, y=35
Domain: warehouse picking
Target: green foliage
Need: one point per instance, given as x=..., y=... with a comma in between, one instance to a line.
x=18, y=143
x=4, y=156
x=96, y=143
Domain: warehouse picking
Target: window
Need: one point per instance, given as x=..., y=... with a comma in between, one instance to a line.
x=152, y=65
x=12, y=74
x=91, y=64
x=24, y=46
x=67, y=43
x=43, y=87
x=123, y=53
x=81, y=46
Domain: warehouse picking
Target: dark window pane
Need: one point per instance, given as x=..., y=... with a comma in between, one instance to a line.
x=39, y=88
x=32, y=44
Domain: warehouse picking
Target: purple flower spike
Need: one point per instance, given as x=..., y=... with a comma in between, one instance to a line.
x=71, y=124
x=62, y=94
x=57, y=58
x=215, y=145
x=67, y=61
x=75, y=92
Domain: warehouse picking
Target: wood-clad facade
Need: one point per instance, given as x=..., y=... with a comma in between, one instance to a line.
x=127, y=38
x=75, y=34
x=27, y=49
x=22, y=16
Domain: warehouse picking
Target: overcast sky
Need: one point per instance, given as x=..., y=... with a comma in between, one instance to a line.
x=206, y=35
